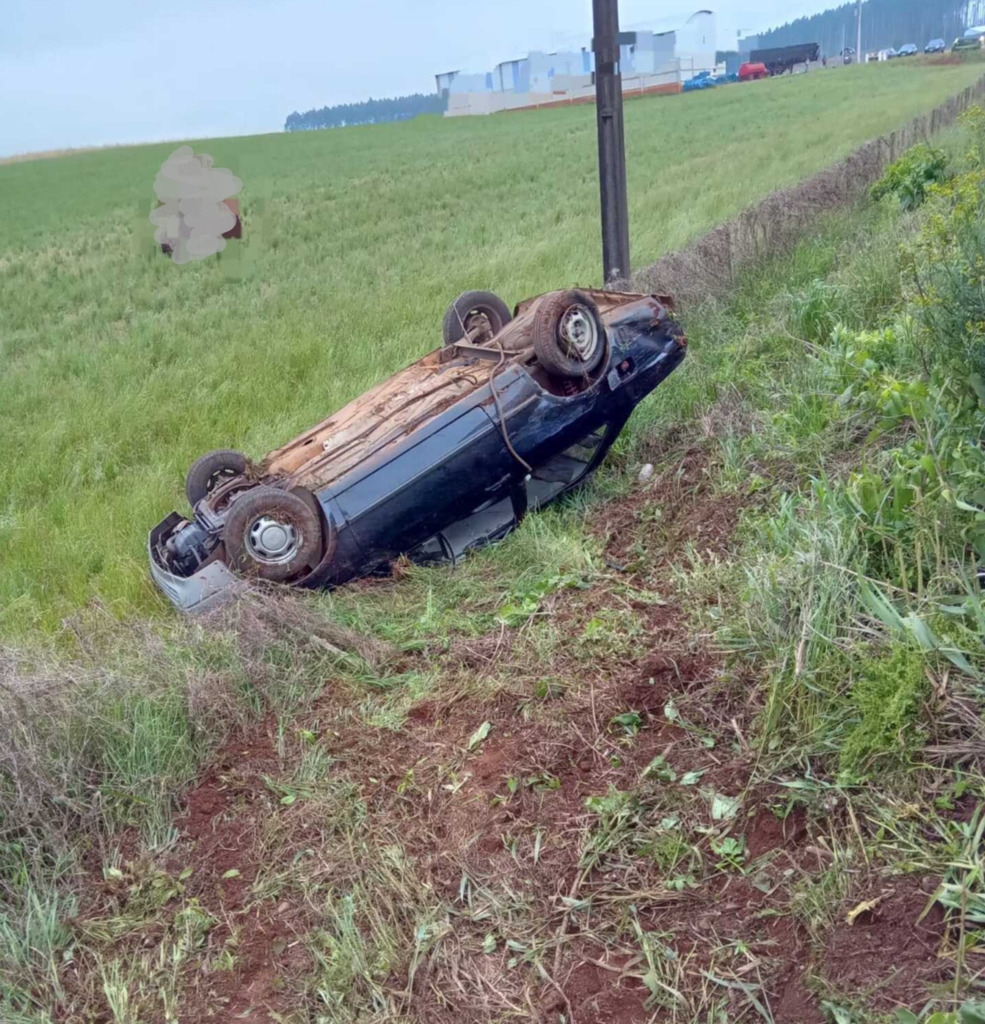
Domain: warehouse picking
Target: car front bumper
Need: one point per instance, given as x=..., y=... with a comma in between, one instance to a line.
x=204, y=591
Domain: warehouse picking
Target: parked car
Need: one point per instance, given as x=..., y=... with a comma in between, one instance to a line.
x=973, y=39
x=448, y=454
x=891, y=54
x=908, y=50
x=935, y=46
x=752, y=70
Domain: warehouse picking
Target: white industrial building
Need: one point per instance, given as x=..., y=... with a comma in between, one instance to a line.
x=650, y=62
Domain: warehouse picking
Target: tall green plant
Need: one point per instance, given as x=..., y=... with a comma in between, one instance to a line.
x=909, y=177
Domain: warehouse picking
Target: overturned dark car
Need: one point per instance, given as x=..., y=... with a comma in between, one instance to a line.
x=444, y=456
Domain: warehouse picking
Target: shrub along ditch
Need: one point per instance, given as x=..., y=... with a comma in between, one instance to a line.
x=873, y=567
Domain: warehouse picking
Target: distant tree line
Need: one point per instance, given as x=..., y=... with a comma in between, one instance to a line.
x=885, y=23
x=397, y=108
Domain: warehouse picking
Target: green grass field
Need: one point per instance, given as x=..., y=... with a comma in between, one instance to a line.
x=119, y=368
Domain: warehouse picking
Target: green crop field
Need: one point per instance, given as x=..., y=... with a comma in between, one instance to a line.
x=119, y=367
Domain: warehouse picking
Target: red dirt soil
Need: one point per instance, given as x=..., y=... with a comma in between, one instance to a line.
x=219, y=835
x=891, y=944
x=570, y=740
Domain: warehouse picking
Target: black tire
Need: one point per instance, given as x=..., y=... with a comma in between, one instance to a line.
x=253, y=546
x=210, y=470
x=327, y=533
x=472, y=304
x=557, y=351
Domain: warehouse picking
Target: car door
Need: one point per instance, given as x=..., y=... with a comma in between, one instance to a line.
x=438, y=475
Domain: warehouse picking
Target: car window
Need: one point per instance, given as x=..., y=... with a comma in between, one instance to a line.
x=565, y=469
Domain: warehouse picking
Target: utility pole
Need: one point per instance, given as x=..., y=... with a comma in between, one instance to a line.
x=612, y=144
x=858, y=48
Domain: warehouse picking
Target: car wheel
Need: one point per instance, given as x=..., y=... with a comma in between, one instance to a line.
x=467, y=312
x=327, y=532
x=210, y=471
x=568, y=334
x=272, y=534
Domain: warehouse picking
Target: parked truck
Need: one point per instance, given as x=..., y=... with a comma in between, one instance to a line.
x=779, y=59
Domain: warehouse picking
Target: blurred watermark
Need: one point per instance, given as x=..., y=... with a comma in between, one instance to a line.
x=197, y=211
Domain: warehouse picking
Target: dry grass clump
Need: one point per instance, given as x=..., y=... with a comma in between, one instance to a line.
x=98, y=745
x=265, y=615
x=108, y=737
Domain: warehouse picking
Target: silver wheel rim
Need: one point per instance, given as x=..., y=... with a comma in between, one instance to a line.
x=578, y=332
x=272, y=542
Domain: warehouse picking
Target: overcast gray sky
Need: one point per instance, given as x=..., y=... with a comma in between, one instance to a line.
x=94, y=72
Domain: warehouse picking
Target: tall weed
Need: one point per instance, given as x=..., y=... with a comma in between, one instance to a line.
x=856, y=581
